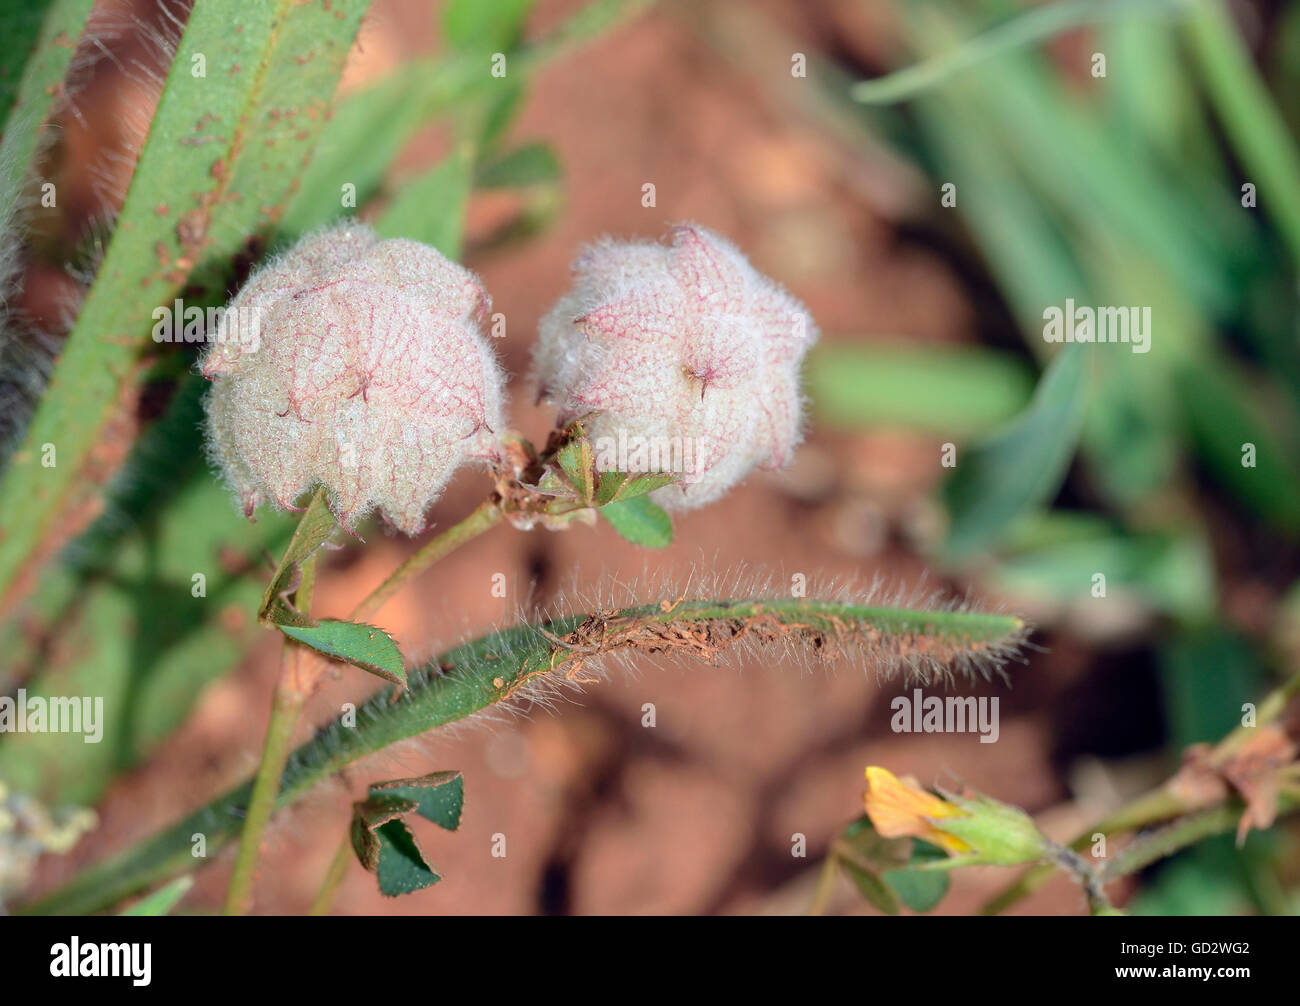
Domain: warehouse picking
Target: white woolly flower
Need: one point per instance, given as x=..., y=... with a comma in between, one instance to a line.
x=687, y=355
x=357, y=364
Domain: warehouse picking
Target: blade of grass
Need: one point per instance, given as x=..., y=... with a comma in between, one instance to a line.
x=1035, y=25
x=1249, y=116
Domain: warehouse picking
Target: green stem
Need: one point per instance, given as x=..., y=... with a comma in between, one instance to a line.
x=821, y=899
x=1152, y=807
x=528, y=660
x=286, y=709
x=1178, y=835
x=329, y=887
x=483, y=517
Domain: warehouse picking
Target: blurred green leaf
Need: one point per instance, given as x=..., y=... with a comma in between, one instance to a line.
x=154, y=602
x=1221, y=410
x=1023, y=465
x=20, y=24
x=431, y=208
x=161, y=901
x=473, y=24
x=1034, y=25
x=366, y=132
x=37, y=40
x=1249, y=116
x=950, y=391
x=920, y=890
x=1171, y=573
x=531, y=164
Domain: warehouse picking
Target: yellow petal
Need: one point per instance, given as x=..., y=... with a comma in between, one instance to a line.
x=902, y=809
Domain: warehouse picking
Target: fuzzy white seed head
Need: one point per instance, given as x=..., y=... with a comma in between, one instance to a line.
x=356, y=364
x=685, y=348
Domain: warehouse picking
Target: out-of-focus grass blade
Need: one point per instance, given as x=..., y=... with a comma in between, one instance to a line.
x=19, y=26
x=367, y=131
x=1032, y=263
x=431, y=208
x=531, y=164
x=163, y=900
x=1023, y=465
x=954, y=392
x=1172, y=574
x=1217, y=402
x=154, y=602
x=370, y=127
x=1034, y=25
x=37, y=40
x=1079, y=169
x=1249, y=117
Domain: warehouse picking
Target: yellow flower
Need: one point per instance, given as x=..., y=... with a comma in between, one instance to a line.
x=900, y=808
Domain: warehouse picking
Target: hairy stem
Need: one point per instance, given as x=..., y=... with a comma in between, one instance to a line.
x=524, y=661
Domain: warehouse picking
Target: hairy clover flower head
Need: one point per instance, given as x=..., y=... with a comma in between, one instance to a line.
x=370, y=377
x=686, y=355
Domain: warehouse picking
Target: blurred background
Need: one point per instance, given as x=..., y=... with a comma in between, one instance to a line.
x=1117, y=189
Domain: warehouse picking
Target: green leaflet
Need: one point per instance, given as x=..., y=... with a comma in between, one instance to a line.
x=640, y=522
x=383, y=843
x=883, y=869
x=365, y=646
x=919, y=890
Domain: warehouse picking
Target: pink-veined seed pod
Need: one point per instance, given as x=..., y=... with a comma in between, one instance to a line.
x=684, y=350
x=356, y=364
